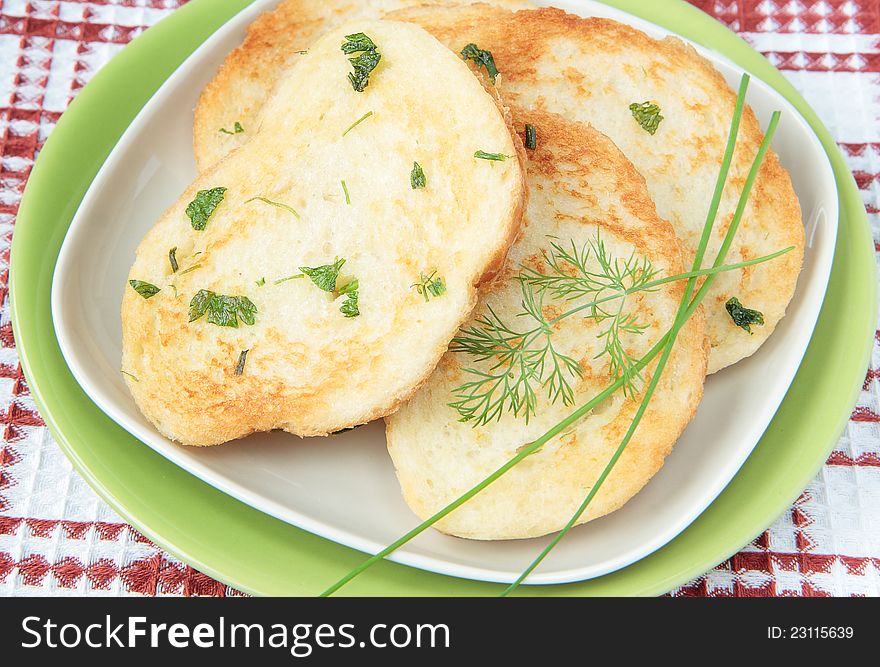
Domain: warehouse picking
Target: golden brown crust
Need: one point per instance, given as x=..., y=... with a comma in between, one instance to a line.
x=310, y=370
x=580, y=181
x=273, y=42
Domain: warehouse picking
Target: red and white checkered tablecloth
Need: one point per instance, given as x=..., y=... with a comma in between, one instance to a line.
x=57, y=537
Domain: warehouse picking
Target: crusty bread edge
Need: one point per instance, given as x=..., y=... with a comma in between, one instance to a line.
x=692, y=333
x=495, y=264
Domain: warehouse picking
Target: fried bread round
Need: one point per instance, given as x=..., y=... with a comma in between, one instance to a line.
x=583, y=191
x=593, y=70
x=292, y=301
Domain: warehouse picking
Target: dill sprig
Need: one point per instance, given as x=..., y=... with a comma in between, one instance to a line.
x=357, y=122
x=520, y=367
x=524, y=361
x=618, y=278
x=430, y=285
x=276, y=204
x=521, y=357
x=663, y=346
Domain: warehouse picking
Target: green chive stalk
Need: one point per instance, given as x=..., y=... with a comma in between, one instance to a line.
x=681, y=319
x=664, y=344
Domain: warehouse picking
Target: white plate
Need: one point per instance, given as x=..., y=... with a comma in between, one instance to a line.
x=344, y=487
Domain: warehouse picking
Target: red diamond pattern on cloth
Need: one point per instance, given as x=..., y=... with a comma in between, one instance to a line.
x=57, y=537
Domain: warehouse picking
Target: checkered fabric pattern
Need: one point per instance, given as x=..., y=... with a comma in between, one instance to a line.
x=57, y=537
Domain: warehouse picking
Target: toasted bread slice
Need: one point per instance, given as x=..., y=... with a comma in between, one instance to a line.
x=581, y=186
x=315, y=186
x=239, y=91
x=592, y=70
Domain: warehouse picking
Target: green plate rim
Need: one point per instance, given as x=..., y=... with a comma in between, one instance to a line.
x=260, y=555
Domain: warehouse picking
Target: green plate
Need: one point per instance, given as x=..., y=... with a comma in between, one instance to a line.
x=258, y=554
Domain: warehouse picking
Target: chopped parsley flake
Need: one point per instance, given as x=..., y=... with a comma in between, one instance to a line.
x=324, y=277
x=743, y=317
x=222, y=310
x=363, y=64
x=418, y=178
x=482, y=58
x=349, y=307
x=203, y=206
x=494, y=157
x=242, y=360
x=172, y=257
x=146, y=290
x=647, y=114
x=531, y=137
x=237, y=129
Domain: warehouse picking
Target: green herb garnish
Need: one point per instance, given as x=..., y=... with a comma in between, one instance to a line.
x=261, y=282
x=647, y=114
x=358, y=122
x=172, y=258
x=242, y=360
x=130, y=375
x=347, y=196
x=531, y=137
x=324, y=277
x=203, y=206
x=349, y=307
x=363, y=64
x=430, y=285
x=222, y=310
x=284, y=280
x=494, y=157
x=483, y=58
x=275, y=204
x=357, y=43
x=417, y=178
x=237, y=129
x=743, y=317
x=191, y=269
x=523, y=360
x=146, y=290
x=688, y=306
